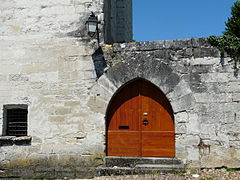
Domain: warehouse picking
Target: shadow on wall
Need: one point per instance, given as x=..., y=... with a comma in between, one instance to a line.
x=99, y=61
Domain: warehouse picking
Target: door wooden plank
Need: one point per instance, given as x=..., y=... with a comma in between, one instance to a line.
x=123, y=123
x=123, y=143
x=157, y=137
x=158, y=144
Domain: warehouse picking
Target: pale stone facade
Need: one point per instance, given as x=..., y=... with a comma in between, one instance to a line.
x=48, y=63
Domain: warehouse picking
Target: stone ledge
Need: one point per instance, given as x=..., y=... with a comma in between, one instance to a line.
x=13, y=140
x=48, y=172
x=163, y=44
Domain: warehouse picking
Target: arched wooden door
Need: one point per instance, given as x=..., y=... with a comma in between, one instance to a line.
x=140, y=122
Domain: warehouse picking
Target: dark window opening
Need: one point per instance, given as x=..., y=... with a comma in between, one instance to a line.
x=15, y=120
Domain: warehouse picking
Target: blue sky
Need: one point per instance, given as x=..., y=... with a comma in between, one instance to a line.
x=179, y=19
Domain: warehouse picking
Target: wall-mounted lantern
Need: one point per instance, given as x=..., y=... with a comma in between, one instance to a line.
x=92, y=26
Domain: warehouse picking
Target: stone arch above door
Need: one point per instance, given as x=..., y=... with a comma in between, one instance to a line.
x=158, y=72
x=162, y=74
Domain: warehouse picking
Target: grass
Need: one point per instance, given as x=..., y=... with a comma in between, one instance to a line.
x=178, y=172
x=33, y=178
x=113, y=55
x=206, y=178
x=231, y=169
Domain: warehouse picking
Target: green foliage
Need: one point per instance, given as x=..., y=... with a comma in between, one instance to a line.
x=229, y=42
x=233, y=23
x=178, y=172
x=33, y=179
x=113, y=55
x=193, y=171
x=206, y=178
x=231, y=170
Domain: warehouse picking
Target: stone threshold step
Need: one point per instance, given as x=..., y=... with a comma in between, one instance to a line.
x=111, y=161
x=160, y=166
x=108, y=171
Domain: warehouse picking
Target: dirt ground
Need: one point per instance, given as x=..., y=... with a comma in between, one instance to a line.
x=206, y=174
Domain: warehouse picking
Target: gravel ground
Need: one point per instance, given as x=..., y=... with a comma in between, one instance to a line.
x=206, y=174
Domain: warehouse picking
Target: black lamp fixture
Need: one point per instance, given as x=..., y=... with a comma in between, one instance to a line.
x=92, y=26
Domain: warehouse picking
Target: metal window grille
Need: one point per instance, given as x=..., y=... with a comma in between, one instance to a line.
x=16, y=122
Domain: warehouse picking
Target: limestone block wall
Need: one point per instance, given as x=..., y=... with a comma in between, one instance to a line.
x=201, y=87
x=46, y=63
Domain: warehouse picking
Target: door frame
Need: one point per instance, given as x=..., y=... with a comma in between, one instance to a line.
x=111, y=101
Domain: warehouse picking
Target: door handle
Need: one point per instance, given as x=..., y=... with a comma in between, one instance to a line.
x=145, y=121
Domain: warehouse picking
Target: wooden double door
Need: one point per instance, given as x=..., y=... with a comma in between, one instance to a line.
x=140, y=122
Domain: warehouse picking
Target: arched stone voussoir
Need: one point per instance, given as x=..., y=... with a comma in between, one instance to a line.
x=184, y=103
x=158, y=72
x=181, y=97
x=101, y=92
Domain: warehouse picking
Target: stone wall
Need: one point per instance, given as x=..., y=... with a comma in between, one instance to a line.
x=201, y=87
x=46, y=63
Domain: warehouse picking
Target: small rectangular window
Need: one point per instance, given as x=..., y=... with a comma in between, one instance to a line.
x=15, y=120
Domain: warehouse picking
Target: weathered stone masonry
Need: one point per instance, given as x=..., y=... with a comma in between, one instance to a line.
x=48, y=63
x=203, y=92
